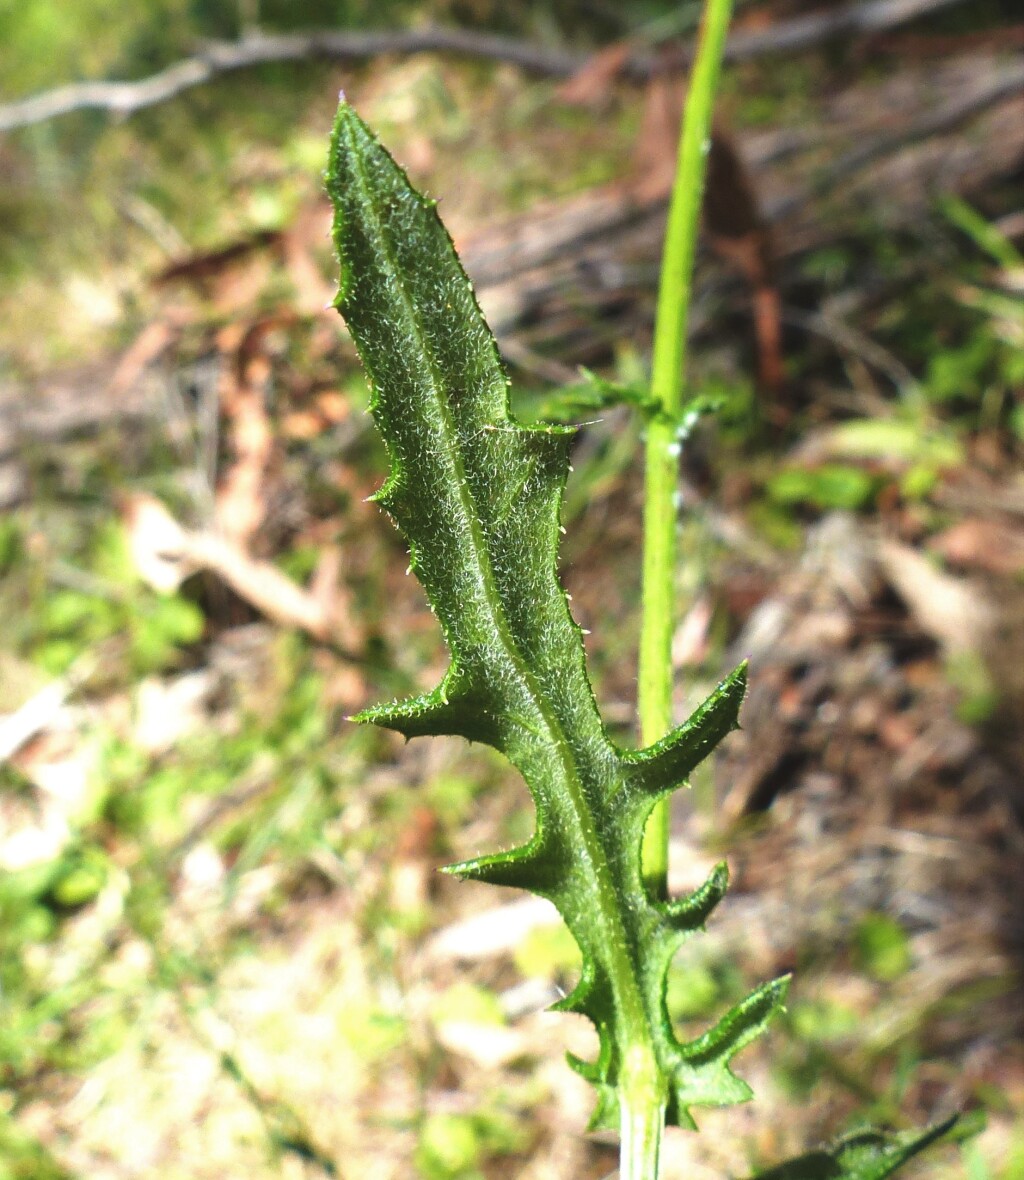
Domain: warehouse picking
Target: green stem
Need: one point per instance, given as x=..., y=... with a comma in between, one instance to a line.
x=662, y=451
x=642, y=1105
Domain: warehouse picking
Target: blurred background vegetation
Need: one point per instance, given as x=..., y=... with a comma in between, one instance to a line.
x=224, y=948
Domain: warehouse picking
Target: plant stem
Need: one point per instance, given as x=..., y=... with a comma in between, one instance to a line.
x=642, y=1103
x=662, y=451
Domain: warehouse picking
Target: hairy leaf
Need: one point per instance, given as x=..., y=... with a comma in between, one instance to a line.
x=477, y=496
x=862, y=1155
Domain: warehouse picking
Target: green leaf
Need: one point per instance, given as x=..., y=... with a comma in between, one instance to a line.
x=23, y=1158
x=832, y=485
x=882, y=946
x=983, y=233
x=900, y=440
x=478, y=496
x=593, y=395
x=862, y=1155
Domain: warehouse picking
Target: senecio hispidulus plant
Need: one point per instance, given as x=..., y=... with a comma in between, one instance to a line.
x=477, y=496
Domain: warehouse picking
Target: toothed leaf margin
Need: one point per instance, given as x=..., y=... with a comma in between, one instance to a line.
x=478, y=497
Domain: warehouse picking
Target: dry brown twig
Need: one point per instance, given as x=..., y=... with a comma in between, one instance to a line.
x=222, y=57
x=17, y=729
x=166, y=553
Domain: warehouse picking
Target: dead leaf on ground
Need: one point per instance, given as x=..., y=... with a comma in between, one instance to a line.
x=654, y=156
x=740, y=235
x=142, y=352
x=240, y=505
x=590, y=85
x=165, y=554
x=207, y=265
x=976, y=543
x=300, y=242
x=951, y=610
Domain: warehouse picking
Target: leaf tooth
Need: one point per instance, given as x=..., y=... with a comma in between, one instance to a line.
x=578, y=999
x=526, y=867
x=677, y=1112
x=687, y=914
x=424, y=716
x=595, y=1071
x=717, y=1086
x=605, y=1115
x=457, y=706
x=701, y=1075
x=663, y=766
x=386, y=495
x=599, y=1072
x=592, y=997
x=739, y=1026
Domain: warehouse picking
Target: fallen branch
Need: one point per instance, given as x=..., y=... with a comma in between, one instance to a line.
x=41, y=709
x=1008, y=83
x=583, y=260
x=951, y=610
x=165, y=554
x=805, y=32
x=223, y=57
x=594, y=254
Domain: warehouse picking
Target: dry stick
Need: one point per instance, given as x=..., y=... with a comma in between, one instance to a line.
x=1007, y=84
x=805, y=32
x=52, y=416
x=166, y=553
x=223, y=57
x=41, y=709
x=520, y=296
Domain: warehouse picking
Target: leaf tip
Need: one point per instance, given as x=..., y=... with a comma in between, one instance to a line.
x=687, y=914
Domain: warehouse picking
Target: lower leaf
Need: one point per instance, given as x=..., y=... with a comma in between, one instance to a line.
x=861, y=1155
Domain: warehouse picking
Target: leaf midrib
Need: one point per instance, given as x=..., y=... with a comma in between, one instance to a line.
x=624, y=984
